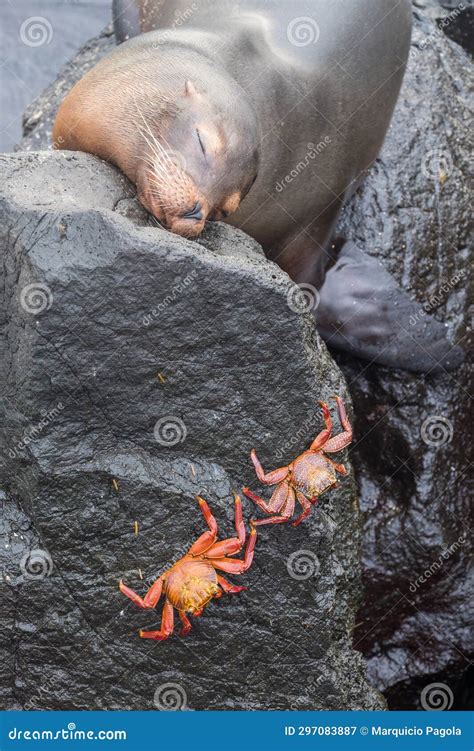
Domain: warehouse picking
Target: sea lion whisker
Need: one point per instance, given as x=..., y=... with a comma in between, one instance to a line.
x=155, y=145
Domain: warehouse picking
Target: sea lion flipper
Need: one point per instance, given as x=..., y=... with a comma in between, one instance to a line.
x=363, y=311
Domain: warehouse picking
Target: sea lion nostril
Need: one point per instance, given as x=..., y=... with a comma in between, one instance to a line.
x=195, y=213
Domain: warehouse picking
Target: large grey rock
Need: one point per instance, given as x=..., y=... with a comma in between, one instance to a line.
x=110, y=328
x=412, y=455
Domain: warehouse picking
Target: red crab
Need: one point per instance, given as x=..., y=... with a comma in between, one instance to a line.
x=307, y=477
x=192, y=581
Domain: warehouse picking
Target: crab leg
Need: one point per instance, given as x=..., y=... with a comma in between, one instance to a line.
x=341, y=440
x=186, y=623
x=207, y=538
x=306, y=508
x=276, y=502
x=228, y=587
x=325, y=434
x=282, y=500
x=151, y=598
x=286, y=510
x=233, y=544
x=268, y=478
x=235, y=565
x=167, y=622
x=338, y=467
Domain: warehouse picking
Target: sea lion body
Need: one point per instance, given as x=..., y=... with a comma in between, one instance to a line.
x=323, y=80
x=266, y=114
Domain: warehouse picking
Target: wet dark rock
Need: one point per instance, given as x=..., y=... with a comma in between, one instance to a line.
x=412, y=449
x=412, y=213
x=138, y=370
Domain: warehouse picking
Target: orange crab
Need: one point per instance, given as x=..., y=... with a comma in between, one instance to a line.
x=307, y=477
x=193, y=581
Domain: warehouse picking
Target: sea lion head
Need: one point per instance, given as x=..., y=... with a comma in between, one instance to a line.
x=175, y=122
x=197, y=153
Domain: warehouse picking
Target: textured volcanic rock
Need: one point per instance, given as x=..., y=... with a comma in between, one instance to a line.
x=453, y=18
x=412, y=455
x=138, y=370
x=412, y=213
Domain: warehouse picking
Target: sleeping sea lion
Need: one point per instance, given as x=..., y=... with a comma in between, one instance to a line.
x=265, y=114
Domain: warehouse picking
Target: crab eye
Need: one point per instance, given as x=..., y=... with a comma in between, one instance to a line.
x=200, y=142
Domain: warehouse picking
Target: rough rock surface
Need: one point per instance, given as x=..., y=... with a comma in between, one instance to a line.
x=412, y=453
x=412, y=493
x=138, y=370
x=453, y=18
